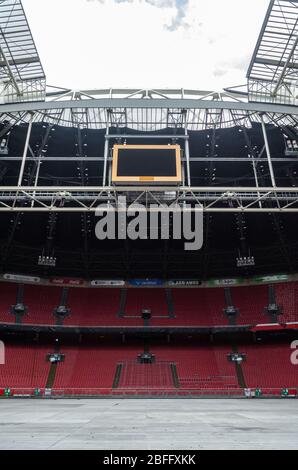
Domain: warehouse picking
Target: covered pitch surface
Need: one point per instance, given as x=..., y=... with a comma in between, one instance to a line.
x=148, y=424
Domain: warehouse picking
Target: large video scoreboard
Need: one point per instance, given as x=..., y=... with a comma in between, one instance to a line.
x=147, y=164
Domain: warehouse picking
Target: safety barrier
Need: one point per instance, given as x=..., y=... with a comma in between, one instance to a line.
x=145, y=392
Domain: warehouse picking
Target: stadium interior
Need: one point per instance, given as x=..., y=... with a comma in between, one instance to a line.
x=82, y=317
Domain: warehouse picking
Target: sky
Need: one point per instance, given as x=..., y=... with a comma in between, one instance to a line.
x=199, y=44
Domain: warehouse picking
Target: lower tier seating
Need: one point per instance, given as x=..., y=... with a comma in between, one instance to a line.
x=186, y=366
x=201, y=367
x=269, y=366
x=25, y=366
x=91, y=367
x=152, y=376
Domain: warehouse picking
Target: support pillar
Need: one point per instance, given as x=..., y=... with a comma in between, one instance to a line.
x=21, y=174
x=106, y=150
x=187, y=151
x=268, y=151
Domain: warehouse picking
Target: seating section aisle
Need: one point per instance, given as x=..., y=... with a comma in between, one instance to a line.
x=138, y=376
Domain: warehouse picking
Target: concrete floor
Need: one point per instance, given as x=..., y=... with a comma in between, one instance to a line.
x=107, y=424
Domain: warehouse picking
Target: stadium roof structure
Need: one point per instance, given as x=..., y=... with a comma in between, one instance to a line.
x=151, y=111
x=239, y=148
x=21, y=73
x=273, y=71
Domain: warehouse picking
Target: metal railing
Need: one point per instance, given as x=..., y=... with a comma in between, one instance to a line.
x=143, y=392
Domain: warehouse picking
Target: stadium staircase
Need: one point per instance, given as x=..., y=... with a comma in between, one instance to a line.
x=53, y=370
x=135, y=376
x=239, y=370
x=19, y=309
x=123, y=297
x=117, y=376
x=170, y=303
x=62, y=311
x=230, y=311
x=51, y=376
x=273, y=311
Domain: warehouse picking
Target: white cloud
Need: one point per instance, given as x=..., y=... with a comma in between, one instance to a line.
x=179, y=8
x=179, y=5
x=145, y=43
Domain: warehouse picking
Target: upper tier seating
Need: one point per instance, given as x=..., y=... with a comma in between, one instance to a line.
x=41, y=302
x=92, y=307
x=199, y=307
x=153, y=299
x=287, y=297
x=8, y=293
x=251, y=302
x=188, y=307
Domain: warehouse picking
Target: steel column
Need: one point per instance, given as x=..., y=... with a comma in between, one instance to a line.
x=187, y=151
x=106, y=150
x=268, y=151
x=26, y=147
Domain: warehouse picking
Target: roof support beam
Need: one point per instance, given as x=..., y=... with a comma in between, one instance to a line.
x=277, y=63
x=7, y=64
x=110, y=103
x=24, y=61
x=268, y=151
x=284, y=70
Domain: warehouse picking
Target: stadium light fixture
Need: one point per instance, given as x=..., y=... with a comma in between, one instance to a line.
x=245, y=261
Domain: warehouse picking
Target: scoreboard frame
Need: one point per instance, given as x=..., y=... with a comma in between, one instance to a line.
x=147, y=179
